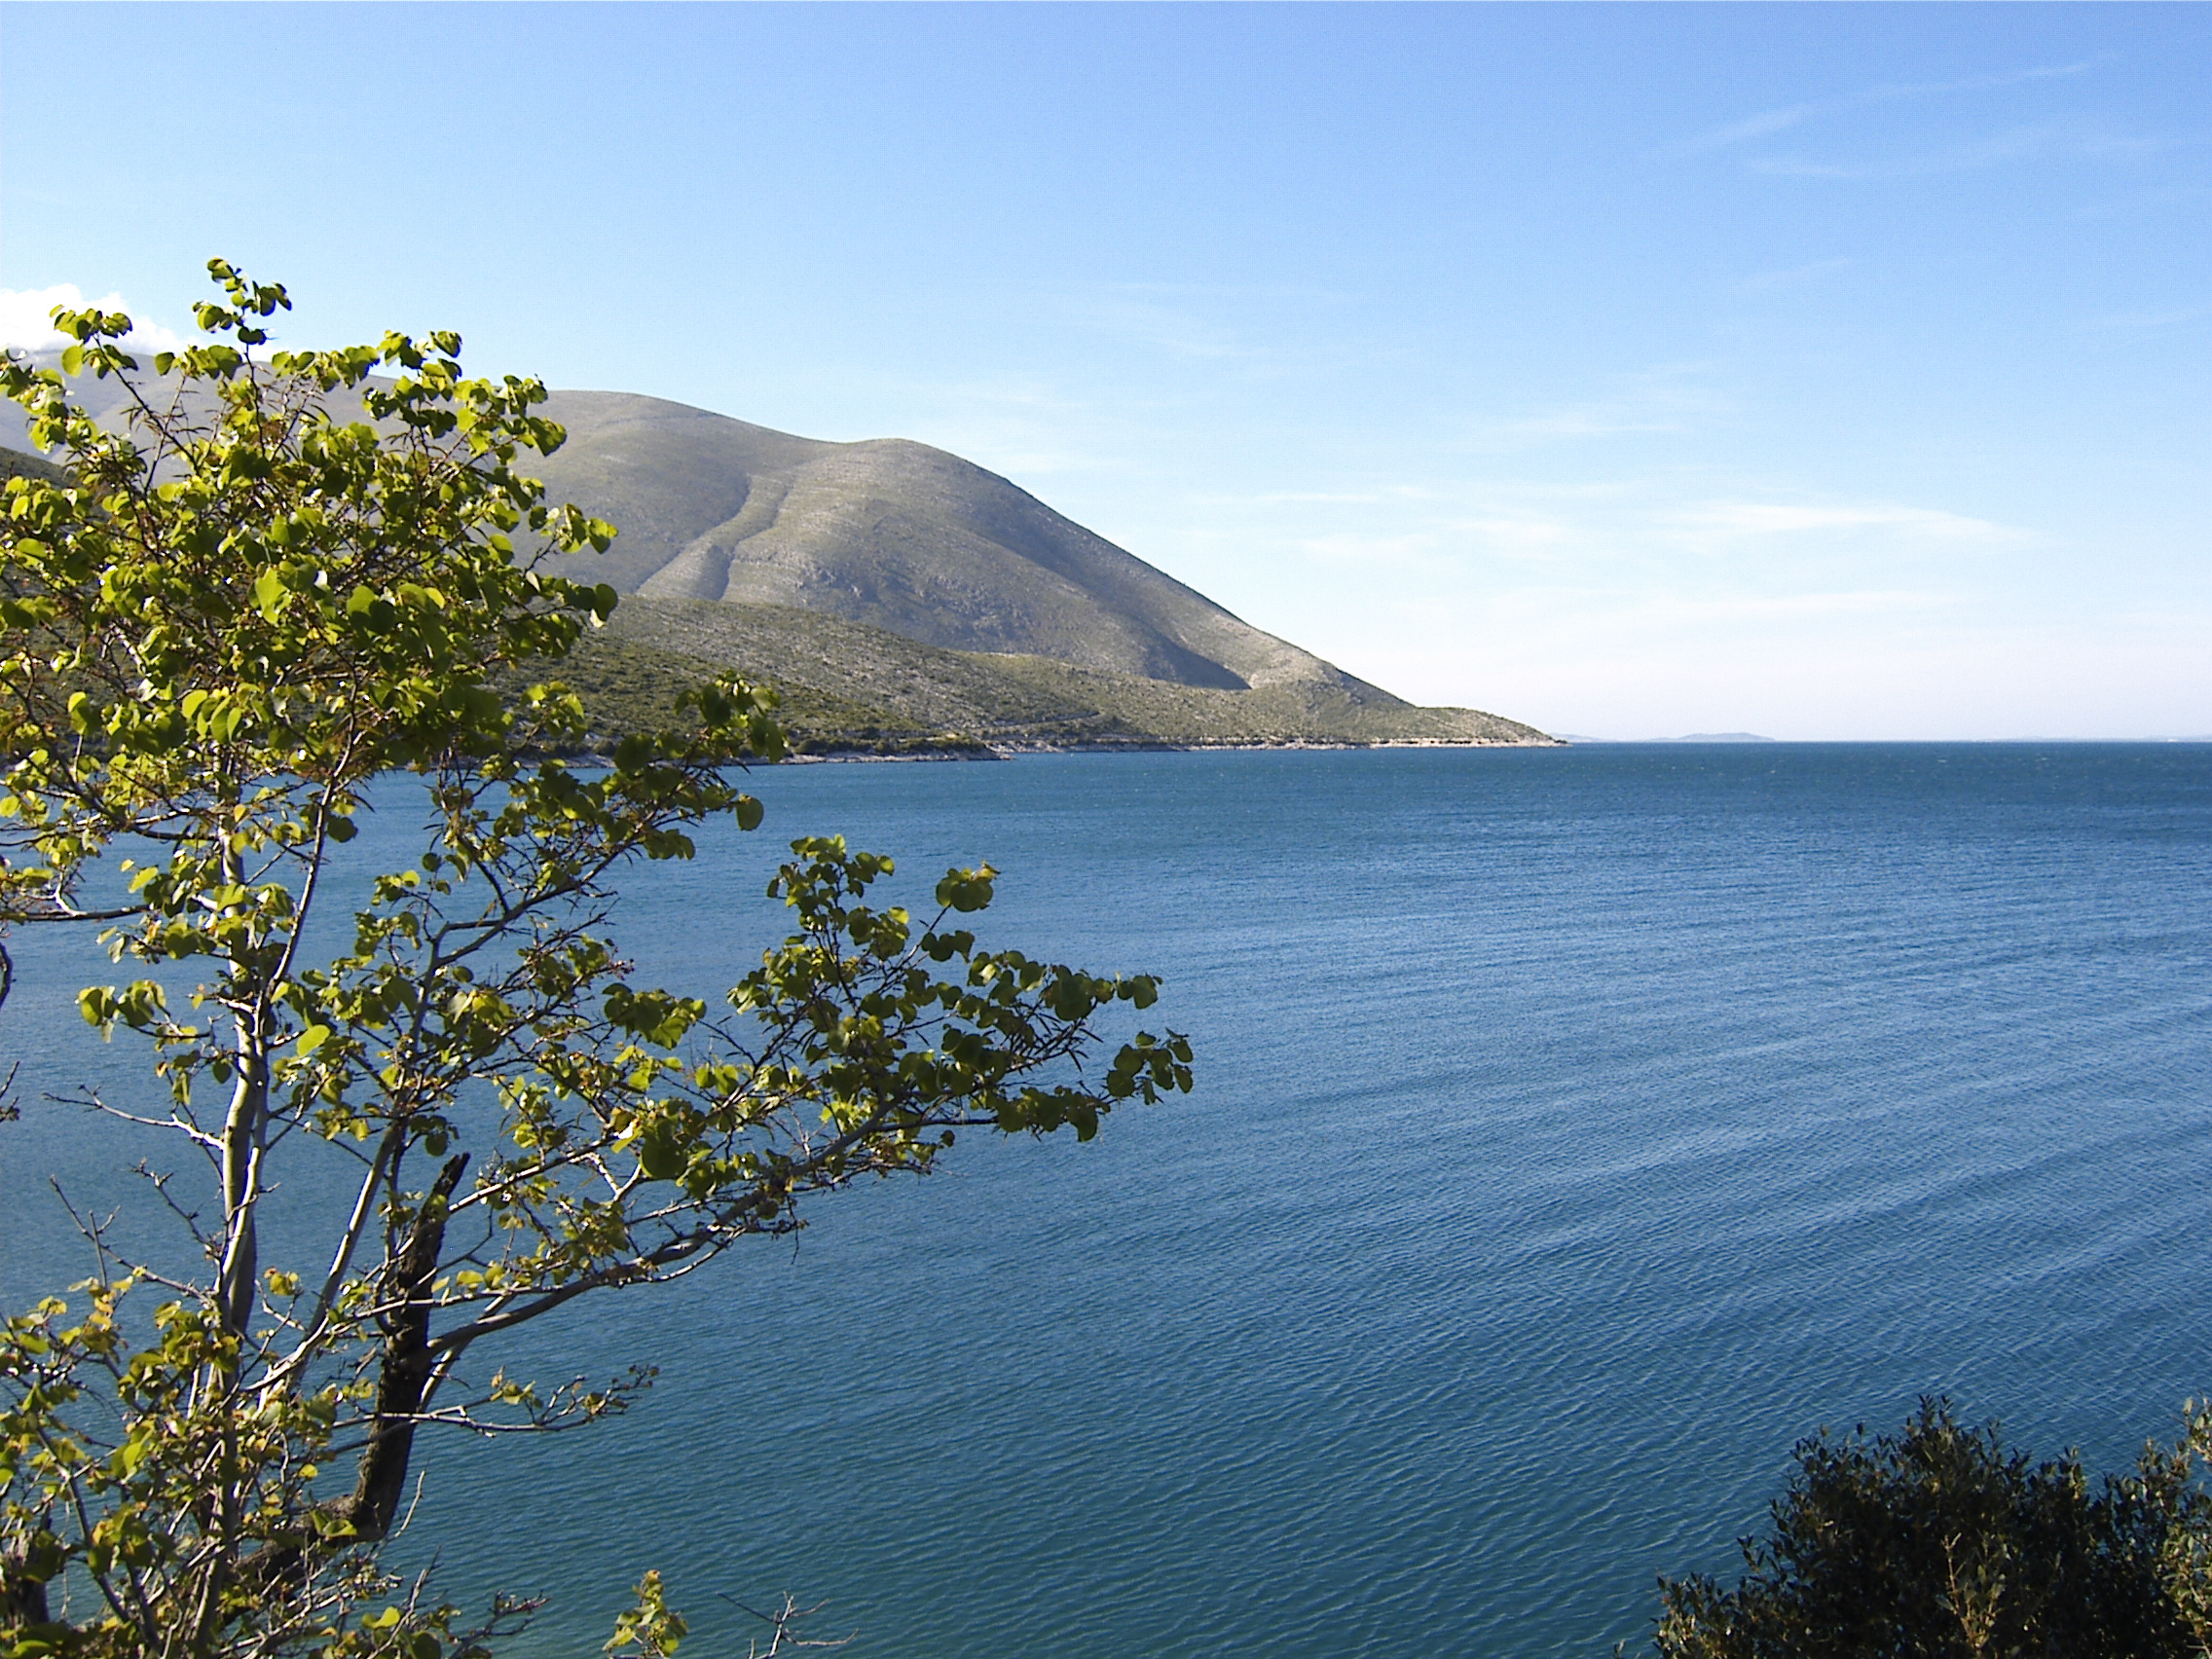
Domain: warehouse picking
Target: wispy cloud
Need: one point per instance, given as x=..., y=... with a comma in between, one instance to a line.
x=1674, y=399
x=1385, y=495
x=1847, y=602
x=2146, y=321
x=1766, y=281
x=2148, y=199
x=26, y=318
x=1753, y=127
x=1420, y=549
x=1985, y=82
x=1524, y=535
x=1195, y=320
x=1735, y=519
x=1168, y=328
x=1603, y=419
x=2050, y=141
x=1444, y=542
x=1772, y=121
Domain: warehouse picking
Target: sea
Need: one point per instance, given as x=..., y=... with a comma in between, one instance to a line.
x=1577, y=1130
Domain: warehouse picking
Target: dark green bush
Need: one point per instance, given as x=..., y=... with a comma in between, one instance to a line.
x=1939, y=1541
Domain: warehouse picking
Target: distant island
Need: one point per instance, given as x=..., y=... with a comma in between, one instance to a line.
x=905, y=602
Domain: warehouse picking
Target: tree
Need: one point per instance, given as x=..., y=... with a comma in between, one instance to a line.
x=1939, y=1541
x=278, y=582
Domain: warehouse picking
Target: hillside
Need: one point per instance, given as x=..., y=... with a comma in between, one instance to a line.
x=852, y=687
x=898, y=594
x=18, y=464
x=893, y=534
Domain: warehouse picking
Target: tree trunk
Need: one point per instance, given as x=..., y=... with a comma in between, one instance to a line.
x=23, y=1600
x=381, y=1478
x=244, y=1133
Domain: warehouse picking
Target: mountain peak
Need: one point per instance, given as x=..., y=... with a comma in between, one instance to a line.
x=893, y=534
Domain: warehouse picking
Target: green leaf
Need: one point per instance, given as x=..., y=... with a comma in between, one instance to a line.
x=211, y=667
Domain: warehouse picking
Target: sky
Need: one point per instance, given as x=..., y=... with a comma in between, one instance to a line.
x=1822, y=372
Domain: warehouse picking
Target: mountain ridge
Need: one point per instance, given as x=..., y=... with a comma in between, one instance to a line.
x=895, y=534
x=971, y=610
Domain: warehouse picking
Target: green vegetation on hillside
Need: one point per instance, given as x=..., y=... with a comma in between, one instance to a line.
x=848, y=688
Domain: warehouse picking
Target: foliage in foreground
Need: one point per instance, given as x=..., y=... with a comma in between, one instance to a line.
x=1940, y=1543
x=217, y=625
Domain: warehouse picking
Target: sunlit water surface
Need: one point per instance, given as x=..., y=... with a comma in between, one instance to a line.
x=1577, y=1128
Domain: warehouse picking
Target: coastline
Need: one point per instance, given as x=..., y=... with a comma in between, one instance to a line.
x=964, y=750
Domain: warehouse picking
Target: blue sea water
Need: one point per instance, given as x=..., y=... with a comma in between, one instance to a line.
x=1577, y=1128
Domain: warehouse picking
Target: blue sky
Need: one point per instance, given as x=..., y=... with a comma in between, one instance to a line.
x=1825, y=372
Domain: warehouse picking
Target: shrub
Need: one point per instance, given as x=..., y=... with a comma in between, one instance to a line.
x=1941, y=1541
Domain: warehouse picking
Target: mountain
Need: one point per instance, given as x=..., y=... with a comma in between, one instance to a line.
x=894, y=588
x=893, y=534
x=20, y=463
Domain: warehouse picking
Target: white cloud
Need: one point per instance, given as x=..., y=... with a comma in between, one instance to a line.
x=26, y=318
x=1779, y=518
x=1169, y=328
x=1392, y=493
x=1750, y=127
x=2147, y=319
x=1772, y=121
x=2061, y=141
x=1594, y=421
x=1756, y=608
x=1413, y=550
x=1984, y=83
x=1766, y=281
x=1671, y=400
